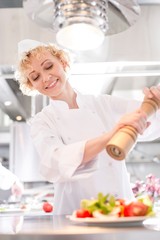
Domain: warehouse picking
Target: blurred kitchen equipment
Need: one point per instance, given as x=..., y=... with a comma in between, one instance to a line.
x=24, y=160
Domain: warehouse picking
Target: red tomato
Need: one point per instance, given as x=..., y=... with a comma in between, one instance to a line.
x=135, y=209
x=47, y=207
x=83, y=213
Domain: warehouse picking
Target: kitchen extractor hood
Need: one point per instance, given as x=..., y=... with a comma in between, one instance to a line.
x=12, y=102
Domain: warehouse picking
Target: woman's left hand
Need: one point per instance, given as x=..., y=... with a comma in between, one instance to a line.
x=151, y=92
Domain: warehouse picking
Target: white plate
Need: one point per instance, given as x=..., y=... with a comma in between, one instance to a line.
x=109, y=220
x=14, y=210
x=24, y=212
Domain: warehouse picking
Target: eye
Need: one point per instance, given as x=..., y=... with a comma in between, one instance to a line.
x=34, y=77
x=48, y=66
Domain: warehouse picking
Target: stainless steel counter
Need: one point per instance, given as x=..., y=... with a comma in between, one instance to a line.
x=19, y=227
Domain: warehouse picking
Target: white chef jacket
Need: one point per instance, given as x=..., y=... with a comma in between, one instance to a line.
x=7, y=178
x=60, y=135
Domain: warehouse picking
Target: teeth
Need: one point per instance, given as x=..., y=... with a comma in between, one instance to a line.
x=52, y=84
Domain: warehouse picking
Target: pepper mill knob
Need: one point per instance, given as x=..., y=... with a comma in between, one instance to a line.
x=124, y=139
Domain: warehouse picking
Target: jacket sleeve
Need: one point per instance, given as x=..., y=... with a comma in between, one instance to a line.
x=59, y=162
x=122, y=106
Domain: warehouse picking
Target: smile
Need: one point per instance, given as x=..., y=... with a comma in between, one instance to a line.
x=52, y=85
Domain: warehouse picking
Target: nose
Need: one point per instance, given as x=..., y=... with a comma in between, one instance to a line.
x=46, y=77
x=49, y=76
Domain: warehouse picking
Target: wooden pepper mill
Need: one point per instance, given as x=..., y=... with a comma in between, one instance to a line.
x=122, y=142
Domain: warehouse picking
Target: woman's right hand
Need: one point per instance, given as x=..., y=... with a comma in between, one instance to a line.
x=136, y=119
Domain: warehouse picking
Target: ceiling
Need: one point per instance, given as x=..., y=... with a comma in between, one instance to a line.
x=140, y=43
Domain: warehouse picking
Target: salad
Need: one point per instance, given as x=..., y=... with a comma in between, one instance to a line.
x=105, y=206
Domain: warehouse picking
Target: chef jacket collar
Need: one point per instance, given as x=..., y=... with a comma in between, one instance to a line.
x=59, y=104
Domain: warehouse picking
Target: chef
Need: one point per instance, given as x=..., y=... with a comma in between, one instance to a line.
x=71, y=133
x=8, y=180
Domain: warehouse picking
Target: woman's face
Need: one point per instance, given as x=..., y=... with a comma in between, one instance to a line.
x=47, y=75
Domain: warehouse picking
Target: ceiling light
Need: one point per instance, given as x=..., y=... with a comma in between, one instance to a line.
x=83, y=24
x=7, y=103
x=72, y=37
x=18, y=118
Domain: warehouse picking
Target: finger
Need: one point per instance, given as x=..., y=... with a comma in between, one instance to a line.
x=147, y=92
x=141, y=122
x=143, y=126
x=139, y=128
x=143, y=115
x=155, y=91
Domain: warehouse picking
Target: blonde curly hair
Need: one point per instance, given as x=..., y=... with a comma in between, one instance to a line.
x=25, y=62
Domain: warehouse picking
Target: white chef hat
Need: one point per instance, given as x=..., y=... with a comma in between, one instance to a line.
x=27, y=45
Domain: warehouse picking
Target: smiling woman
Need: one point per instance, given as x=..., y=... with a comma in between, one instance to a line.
x=71, y=133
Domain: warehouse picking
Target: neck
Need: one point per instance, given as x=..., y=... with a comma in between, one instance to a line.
x=69, y=96
x=72, y=103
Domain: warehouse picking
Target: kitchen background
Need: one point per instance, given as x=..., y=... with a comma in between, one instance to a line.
x=121, y=66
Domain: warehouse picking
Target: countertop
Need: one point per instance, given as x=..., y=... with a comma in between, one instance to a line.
x=47, y=226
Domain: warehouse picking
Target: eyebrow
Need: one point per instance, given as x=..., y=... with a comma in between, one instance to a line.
x=31, y=72
x=44, y=62
x=41, y=65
